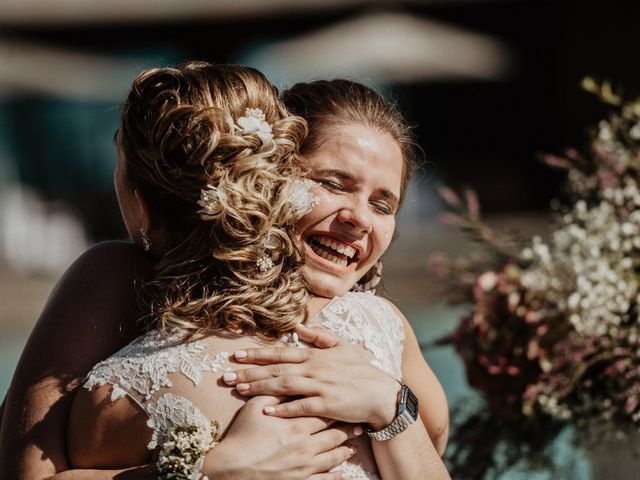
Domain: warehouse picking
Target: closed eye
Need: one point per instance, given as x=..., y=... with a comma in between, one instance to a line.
x=383, y=208
x=330, y=184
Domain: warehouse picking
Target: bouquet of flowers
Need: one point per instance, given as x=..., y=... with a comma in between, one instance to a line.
x=553, y=335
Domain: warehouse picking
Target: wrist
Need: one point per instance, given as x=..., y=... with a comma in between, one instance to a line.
x=216, y=464
x=388, y=407
x=407, y=414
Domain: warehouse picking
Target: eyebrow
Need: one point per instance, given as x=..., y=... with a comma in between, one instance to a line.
x=115, y=136
x=346, y=176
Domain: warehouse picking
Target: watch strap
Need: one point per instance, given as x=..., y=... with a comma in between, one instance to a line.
x=401, y=422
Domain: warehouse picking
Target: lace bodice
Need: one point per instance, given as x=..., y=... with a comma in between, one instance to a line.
x=142, y=368
x=362, y=317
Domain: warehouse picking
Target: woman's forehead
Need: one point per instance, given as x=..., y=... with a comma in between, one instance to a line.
x=361, y=152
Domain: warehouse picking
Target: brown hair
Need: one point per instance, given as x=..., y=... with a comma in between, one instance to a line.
x=327, y=104
x=179, y=136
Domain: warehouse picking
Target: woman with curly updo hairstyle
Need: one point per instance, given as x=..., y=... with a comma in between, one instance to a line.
x=180, y=137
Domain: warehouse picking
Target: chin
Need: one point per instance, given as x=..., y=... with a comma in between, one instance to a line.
x=323, y=284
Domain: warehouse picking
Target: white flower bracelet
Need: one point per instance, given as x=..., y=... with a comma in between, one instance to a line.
x=183, y=449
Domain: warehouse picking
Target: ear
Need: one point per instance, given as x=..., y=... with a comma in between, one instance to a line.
x=145, y=211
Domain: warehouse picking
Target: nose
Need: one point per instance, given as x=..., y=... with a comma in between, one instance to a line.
x=357, y=216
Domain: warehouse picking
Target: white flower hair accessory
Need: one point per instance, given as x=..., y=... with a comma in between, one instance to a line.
x=301, y=200
x=210, y=203
x=254, y=121
x=264, y=263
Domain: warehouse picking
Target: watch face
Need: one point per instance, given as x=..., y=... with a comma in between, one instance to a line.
x=408, y=402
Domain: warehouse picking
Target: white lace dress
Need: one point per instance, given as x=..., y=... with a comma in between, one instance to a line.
x=142, y=368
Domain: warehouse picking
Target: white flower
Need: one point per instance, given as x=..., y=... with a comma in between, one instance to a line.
x=271, y=242
x=210, y=202
x=264, y=263
x=254, y=121
x=301, y=200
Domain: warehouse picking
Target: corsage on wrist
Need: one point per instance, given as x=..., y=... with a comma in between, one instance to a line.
x=183, y=450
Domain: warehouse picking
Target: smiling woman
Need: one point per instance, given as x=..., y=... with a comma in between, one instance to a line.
x=360, y=150
x=358, y=172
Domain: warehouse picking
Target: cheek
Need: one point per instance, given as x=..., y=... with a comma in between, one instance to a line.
x=384, y=235
x=326, y=206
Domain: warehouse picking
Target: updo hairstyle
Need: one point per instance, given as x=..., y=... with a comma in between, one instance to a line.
x=179, y=136
x=327, y=105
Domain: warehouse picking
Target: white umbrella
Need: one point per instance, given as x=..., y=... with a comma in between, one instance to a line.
x=385, y=47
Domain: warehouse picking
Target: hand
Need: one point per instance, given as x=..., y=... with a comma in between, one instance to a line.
x=336, y=380
x=260, y=447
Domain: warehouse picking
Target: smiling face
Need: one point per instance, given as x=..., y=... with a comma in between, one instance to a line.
x=358, y=175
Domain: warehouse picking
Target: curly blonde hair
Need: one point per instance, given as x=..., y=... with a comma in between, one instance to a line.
x=179, y=136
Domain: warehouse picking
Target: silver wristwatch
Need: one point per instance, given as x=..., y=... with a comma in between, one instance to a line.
x=407, y=414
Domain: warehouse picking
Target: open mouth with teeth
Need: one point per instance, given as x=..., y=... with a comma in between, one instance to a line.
x=332, y=250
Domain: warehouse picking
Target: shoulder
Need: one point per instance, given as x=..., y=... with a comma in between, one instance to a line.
x=90, y=314
x=100, y=287
x=368, y=300
x=110, y=261
x=384, y=309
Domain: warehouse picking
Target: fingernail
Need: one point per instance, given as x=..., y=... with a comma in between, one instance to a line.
x=242, y=387
x=358, y=430
x=269, y=410
x=353, y=450
x=229, y=377
x=240, y=354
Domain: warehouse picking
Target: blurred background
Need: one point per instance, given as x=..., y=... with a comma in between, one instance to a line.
x=489, y=85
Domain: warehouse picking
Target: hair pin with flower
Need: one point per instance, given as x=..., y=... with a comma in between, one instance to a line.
x=264, y=263
x=253, y=122
x=301, y=200
x=210, y=203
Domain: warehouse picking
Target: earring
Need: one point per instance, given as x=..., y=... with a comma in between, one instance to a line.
x=374, y=277
x=146, y=241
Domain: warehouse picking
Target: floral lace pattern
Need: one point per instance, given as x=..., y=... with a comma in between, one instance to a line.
x=171, y=411
x=142, y=368
x=355, y=471
x=364, y=318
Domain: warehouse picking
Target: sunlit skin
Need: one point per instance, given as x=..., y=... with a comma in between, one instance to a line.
x=127, y=201
x=358, y=171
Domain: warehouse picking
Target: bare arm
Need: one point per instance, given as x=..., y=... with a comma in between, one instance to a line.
x=417, y=374
x=89, y=315
x=412, y=454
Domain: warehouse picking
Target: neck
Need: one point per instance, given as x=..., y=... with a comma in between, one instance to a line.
x=316, y=304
